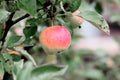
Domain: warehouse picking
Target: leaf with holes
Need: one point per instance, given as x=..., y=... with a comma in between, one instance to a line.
x=96, y=19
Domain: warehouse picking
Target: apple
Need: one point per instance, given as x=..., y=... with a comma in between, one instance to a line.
x=55, y=39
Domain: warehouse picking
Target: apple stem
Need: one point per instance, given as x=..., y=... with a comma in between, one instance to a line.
x=51, y=59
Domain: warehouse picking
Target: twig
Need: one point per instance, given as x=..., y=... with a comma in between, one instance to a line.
x=8, y=25
x=20, y=18
x=11, y=16
x=23, y=17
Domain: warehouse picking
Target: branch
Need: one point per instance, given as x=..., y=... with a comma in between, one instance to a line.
x=20, y=18
x=11, y=16
x=7, y=26
x=23, y=17
x=9, y=23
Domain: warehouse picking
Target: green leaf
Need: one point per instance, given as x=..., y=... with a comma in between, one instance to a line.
x=8, y=63
x=73, y=5
x=46, y=72
x=66, y=23
x=117, y=1
x=16, y=57
x=29, y=31
x=26, y=54
x=98, y=7
x=33, y=21
x=1, y=29
x=96, y=19
x=17, y=67
x=89, y=73
x=1, y=1
x=41, y=1
x=27, y=42
x=1, y=71
x=3, y=15
x=11, y=6
x=69, y=27
x=12, y=40
x=28, y=5
x=25, y=72
x=39, y=4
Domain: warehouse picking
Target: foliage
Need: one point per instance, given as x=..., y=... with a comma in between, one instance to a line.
x=21, y=56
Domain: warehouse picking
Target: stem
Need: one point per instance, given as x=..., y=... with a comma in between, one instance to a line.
x=51, y=59
x=61, y=5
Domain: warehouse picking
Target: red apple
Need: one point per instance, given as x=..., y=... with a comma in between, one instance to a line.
x=55, y=39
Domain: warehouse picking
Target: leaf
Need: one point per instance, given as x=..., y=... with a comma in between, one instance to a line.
x=39, y=4
x=3, y=15
x=47, y=72
x=11, y=6
x=17, y=67
x=1, y=69
x=8, y=63
x=1, y=1
x=26, y=54
x=89, y=73
x=117, y=1
x=66, y=23
x=16, y=57
x=28, y=5
x=96, y=19
x=3, y=18
x=73, y=5
x=27, y=42
x=25, y=72
x=12, y=40
x=29, y=31
x=1, y=30
x=41, y=1
x=98, y=7
x=69, y=27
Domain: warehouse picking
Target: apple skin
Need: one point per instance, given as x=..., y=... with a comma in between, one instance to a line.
x=55, y=39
